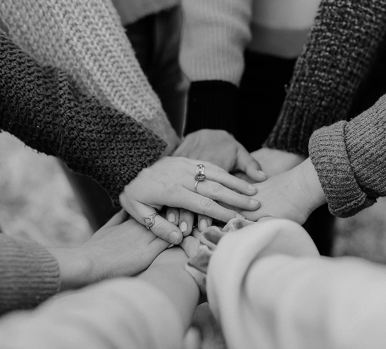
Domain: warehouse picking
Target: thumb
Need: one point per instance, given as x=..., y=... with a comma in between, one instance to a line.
x=246, y=163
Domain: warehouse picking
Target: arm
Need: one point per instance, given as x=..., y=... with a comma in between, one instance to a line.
x=31, y=273
x=152, y=311
x=340, y=50
x=43, y=107
x=212, y=56
x=282, y=298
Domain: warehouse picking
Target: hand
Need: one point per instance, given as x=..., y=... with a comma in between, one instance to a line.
x=171, y=182
x=120, y=248
x=293, y=195
x=220, y=148
x=274, y=162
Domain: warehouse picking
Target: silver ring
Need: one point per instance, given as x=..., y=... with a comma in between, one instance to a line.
x=195, y=186
x=149, y=220
x=200, y=169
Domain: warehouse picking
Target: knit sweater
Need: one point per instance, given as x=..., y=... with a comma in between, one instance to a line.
x=132, y=10
x=216, y=34
x=350, y=160
x=44, y=108
x=339, y=53
x=86, y=39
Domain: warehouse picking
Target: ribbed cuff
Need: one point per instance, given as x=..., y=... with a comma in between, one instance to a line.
x=211, y=105
x=329, y=156
x=29, y=274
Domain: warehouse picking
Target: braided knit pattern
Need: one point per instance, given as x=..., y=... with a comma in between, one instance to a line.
x=350, y=160
x=85, y=38
x=29, y=274
x=340, y=50
x=44, y=108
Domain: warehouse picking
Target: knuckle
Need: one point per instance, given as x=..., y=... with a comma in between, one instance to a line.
x=217, y=172
x=207, y=204
x=216, y=188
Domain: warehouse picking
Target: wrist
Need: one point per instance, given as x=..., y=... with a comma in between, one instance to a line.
x=74, y=266
x=309, y=182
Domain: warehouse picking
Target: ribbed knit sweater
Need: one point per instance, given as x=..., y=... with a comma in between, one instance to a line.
x=350, y=159
x=339, y=53
x=86, y=39
x=44, y=108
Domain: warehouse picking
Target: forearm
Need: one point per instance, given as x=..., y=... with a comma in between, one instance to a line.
x=212, y=57
x=339, y=53
x=44, y=108
x=174, y=282
x=350, y=160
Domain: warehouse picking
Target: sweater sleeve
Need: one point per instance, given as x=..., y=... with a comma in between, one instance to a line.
x=44, y=108
x=350, y=160
x=339, y=53
x=215, y=35
x=269, y=290
x=29, y=274
x=120, y=313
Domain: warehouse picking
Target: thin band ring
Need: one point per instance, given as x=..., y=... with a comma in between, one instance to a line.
x=149, y=220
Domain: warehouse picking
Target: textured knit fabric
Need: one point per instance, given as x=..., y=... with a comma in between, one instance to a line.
x=339, y=53
x=216, y=34
x=29, y=274
x=350, y=160
x=115, y=314
x=132, y=10
x=86, y=39
x=44, y=108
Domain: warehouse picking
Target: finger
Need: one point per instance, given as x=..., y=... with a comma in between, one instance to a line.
x=162, y=228
x=216, y=174
x=186, y=221
x=172, y=215
x=190, y=245
x=192, y=339
x=204, y=222
x=247, y=164
x=118, y=218
x=218, y=192
x=203, y=205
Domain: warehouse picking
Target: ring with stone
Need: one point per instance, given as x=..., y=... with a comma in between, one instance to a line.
x=149, y=220
x=200, y=169
x=199, y=178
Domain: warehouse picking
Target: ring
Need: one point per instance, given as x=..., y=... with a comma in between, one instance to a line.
x=149, y=220
x=200, y=169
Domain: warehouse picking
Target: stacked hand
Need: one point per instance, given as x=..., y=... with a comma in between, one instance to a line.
x=172, y=182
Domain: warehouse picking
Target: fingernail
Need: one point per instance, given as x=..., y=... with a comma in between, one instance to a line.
x=253, y=202
x=203, y=224
x=251, y=187
x=261, y=173
x=171, y=217
x=174, y=238
x=238, y=215
x=183, y=227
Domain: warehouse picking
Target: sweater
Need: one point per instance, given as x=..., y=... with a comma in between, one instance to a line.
x=87, y=40
x=45, y=109
x=133, y=10
x=216, y=34
x=341, y=48
x=350, y=160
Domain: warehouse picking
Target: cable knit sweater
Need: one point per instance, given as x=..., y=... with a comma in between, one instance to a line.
x=44, y=108
x=86, y=39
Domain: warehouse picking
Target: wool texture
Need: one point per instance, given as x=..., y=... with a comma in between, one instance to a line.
x=350, y=160
x=85, y=38
x=339, y=54
x=44, y=108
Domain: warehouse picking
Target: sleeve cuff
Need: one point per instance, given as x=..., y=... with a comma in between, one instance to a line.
x=211, y=105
